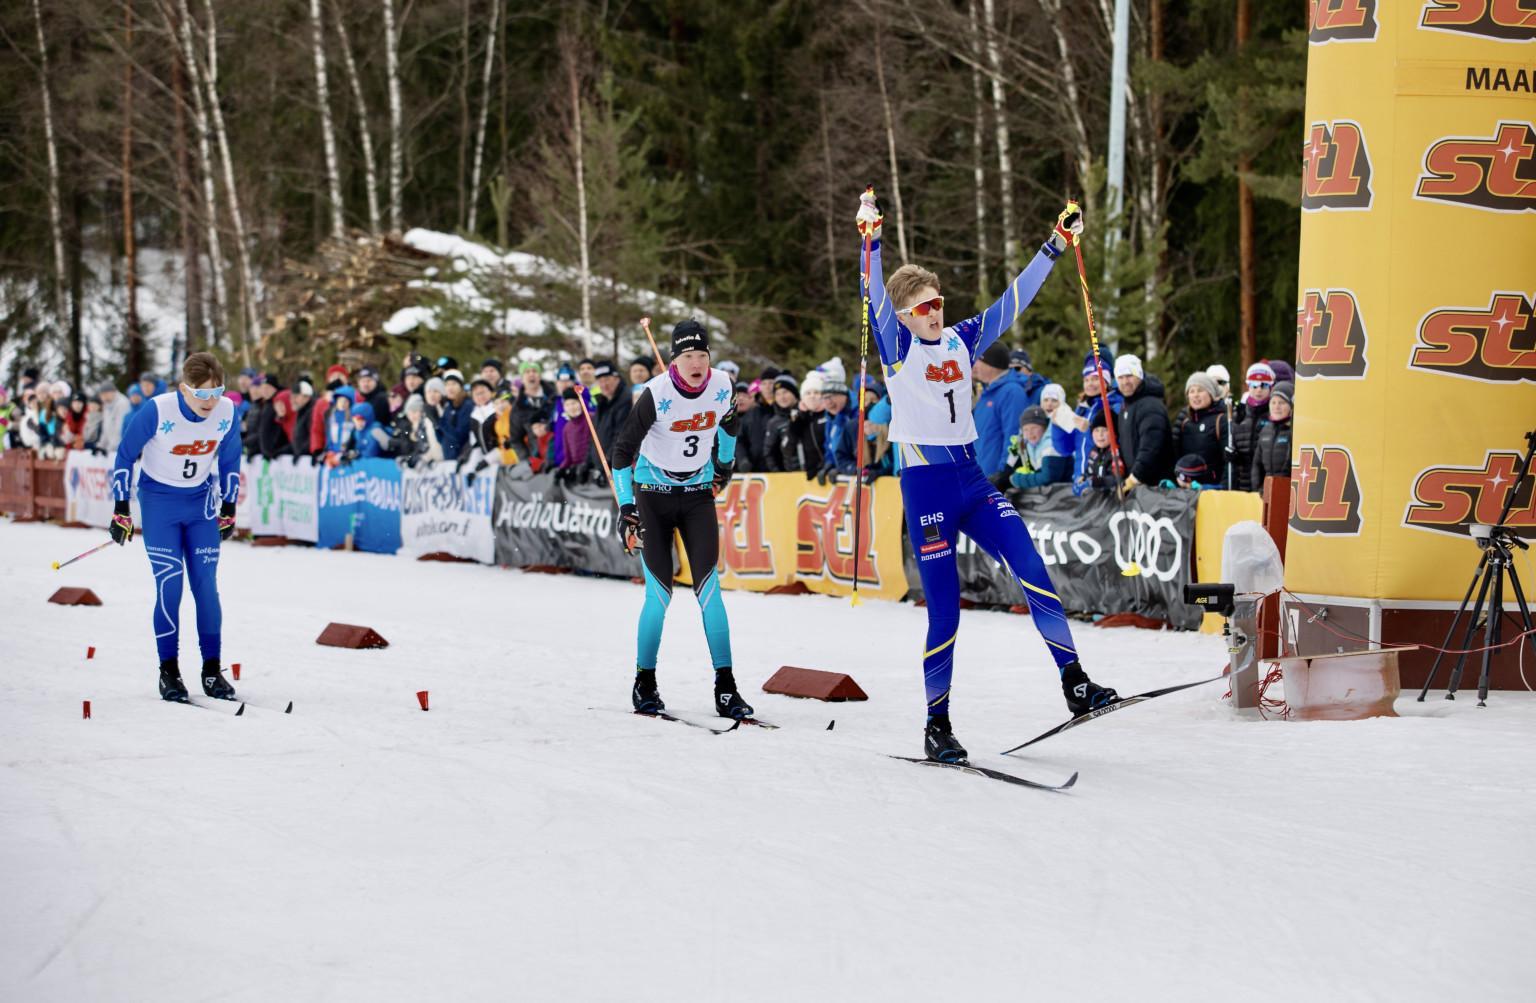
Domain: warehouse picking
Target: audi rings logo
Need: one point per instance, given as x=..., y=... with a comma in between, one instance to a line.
x=1149, y=541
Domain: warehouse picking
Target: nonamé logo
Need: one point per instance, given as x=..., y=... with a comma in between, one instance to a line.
x=1330, y=335
x=1342, y=21
x=1506, y=20
x=1325, y=493
x=1495, y=344
x=1450, y=499
x=1337, y=171
x=1497, y=174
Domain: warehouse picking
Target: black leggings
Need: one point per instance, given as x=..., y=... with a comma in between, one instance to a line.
x=691, y=513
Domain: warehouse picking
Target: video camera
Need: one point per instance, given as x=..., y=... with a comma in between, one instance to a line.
x=1219, y=598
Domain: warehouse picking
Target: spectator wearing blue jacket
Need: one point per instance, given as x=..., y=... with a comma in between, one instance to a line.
x=1079, y=443
x=453, y=427
x=1034, y=384
x=839, y=450
x=338, y=424
x=368, y=437
x=1038, y=463
x=997, y=410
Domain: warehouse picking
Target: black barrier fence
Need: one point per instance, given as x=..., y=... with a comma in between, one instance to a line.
x=1089, y=544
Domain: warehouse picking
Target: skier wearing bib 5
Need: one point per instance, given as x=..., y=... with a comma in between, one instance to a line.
x=188, y=451
x=943, y=490
x=675, y=451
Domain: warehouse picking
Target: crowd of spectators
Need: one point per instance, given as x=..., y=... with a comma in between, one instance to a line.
x=1030, y=432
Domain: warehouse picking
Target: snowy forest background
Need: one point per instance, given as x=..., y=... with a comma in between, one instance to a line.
x=271, y=154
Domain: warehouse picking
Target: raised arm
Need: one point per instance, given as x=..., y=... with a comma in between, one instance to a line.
x=891, y=339
x=981, y=331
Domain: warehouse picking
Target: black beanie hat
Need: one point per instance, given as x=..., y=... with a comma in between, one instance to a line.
x=996, y=355
x=689, y=336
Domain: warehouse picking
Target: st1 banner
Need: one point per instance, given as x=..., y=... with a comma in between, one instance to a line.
x=278, y=498
x=539, y=521
x=360, y=502
x=442, y=513
x=1088, y=544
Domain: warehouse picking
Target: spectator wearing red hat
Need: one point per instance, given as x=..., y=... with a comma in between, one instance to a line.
x=1248, y=423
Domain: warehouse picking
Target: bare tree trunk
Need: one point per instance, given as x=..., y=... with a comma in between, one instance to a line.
x=1068, y=78
x=370, y=176
x=186, y=200
x=242, y=246
x=978, y=154
x=463, y=73
x=578, y=146
x=327, y=128
x=396, y=139
x=831, y=213
x=55, y=211
x=1150, y=204
x=1004, y=159
x=136, y=356
x=221, y=301
x=890, y=146
x=1247, y=300
x=485, y=108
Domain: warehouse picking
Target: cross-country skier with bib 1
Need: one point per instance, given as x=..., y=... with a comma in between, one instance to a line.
x=187, y=446
x=943, y=489
x=674, y=452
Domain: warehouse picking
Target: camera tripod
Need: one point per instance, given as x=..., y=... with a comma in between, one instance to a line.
x=1498, y=544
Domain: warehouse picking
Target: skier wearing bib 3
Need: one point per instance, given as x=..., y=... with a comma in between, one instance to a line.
x=676, y=449
x=943, y=490
x=188, y=451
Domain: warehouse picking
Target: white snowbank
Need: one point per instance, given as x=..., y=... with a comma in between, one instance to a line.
x=529, y=839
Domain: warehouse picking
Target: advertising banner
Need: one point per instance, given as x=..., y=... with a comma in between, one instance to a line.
x=1088, y=544
x=1415, y=337
x=360, y=506
x=442, y=513
x=88, y=488
x=278, y=498
x=540, y=521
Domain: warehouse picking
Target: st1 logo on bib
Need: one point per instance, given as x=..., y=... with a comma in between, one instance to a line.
x=701, y=422
x=200, y=447
x=949, y=372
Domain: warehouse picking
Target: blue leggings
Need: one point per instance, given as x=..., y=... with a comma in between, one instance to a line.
x=947, y=499
x=179, y=531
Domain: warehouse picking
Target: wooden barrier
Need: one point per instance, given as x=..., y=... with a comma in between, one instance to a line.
x=16, y=484
x=48, y=494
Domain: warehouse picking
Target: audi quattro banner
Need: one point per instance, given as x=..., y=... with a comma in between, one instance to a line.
x=1087, y=544
x=442, y=513
x=539, y=521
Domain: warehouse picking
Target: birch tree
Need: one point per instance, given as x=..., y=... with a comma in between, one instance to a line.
x=327, y=128
x=370, y=174
x=485, y=107
x=237, y=218
x=890, y=146
x=181, y=25
x=55, y=214
x=578, y=149
x=1000, y=124
x=396, y=137
x=978, y=154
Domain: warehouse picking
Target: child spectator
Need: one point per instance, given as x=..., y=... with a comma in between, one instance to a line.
x=368, y=436
x=338, y=426
x=576, y=437
x=1036, y=462
x=1098, y=471
x=1191, y=473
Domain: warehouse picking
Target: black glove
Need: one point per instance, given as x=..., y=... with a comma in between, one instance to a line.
x=631, y=533
x=810, y=474
x=599, y=478
x=470, y=477
x=349, y=456
x=226, y=520
x=121, y=526
x=562, y=474
x=823, y=474
x=459, y=467
x=723, y=473
x=1001, y=480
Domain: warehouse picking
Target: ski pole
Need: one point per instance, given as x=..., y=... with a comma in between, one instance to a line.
x=858, y=471
x=1098, y=361
x=645, y=322
x=1118, y=462
x=64, y=564
x=598, y=444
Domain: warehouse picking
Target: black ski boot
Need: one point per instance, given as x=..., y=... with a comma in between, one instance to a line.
x=728, y=703
x=646, y=698
x=214, y=683
x=171, y=686
x=940, y=743
x=1083, y=694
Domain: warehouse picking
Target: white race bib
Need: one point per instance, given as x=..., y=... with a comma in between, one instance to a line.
x=682, y=439
x=931, y=394
x=184, y=453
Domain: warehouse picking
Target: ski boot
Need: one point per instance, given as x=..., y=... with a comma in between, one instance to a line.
x=644, y=696
x=1083, y=694
x=214, y=683
x=171, y=686
x=728, y=703
x=940, y=743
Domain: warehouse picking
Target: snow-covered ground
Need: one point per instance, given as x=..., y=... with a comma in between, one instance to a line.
x=527, y=840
